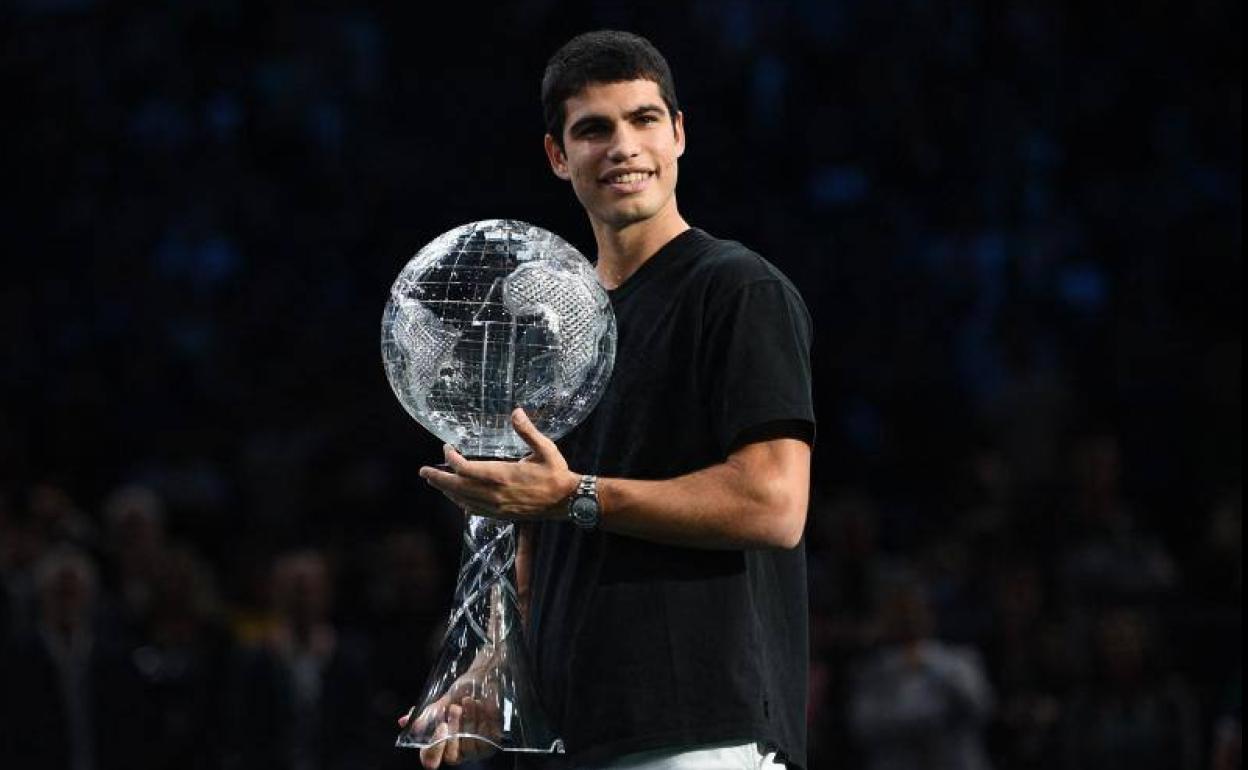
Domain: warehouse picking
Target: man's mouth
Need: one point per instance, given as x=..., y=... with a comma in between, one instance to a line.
x=627, y=180
x=631, y=176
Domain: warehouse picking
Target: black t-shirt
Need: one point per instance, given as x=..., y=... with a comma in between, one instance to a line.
x=639, y=645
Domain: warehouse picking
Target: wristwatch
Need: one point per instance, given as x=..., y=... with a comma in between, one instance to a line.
x=584, y=509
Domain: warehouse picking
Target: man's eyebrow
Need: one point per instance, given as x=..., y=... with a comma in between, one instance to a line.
x=644, y=110
x=636, y=112
x=588, y=120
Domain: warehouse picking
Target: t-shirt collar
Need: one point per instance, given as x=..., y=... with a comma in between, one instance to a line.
x=667, y=253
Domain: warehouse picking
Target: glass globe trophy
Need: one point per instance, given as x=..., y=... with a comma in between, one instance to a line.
x=487, y=317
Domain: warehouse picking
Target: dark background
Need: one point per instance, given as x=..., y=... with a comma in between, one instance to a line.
x=1017, y=225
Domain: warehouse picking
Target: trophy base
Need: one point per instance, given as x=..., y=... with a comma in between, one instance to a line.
x=481, y=688
x=406, y=742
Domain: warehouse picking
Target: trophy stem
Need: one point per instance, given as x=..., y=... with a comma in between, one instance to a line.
x=481, y=687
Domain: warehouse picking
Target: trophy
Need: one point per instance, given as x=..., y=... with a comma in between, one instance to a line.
x=487, y=317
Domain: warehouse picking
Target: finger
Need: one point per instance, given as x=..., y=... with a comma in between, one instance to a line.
x=468, y=748
x=450, y=484
x=403, y=720
x=431, y=756
x=428, y=718
x=472, y=748
x=491, y=717
x=453, y=728
x=456, y=465
x=478, y=470
x=484, y=727
x=542, y=446
x=436, y=476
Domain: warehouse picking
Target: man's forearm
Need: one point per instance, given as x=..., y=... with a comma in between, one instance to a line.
x=755, y=499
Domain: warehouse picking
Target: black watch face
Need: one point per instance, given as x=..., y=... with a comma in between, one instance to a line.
x=584, y=509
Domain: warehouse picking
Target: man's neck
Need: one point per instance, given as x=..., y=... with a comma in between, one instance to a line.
x=621, y=252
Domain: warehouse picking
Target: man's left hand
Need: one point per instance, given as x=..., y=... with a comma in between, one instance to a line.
x=536, y=487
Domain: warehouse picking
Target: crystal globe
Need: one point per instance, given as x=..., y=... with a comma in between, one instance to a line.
x=490, y=316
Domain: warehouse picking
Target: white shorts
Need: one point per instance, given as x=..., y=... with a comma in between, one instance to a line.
x=720, y=756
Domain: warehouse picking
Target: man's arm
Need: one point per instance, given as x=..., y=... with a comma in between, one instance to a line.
x=756, y=498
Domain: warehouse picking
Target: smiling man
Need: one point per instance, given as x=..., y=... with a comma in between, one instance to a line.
x=662, y=539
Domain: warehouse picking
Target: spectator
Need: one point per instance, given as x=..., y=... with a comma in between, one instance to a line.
x=1108, y=557
x=1032, y=662
x=56, y=517
x=300, y=700
x=919, y=703
x=135, y=530
x=1136, y=714
x=71, y=701
x=184, y=663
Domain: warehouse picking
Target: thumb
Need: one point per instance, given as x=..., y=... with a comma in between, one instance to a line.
x=542, y=446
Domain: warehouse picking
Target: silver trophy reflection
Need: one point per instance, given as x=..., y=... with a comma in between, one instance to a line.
x=487, y=317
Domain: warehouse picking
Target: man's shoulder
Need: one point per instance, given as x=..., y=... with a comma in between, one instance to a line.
x=725, y=258
x=728, y=264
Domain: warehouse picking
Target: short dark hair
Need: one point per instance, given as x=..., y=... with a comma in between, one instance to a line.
x=602, y=56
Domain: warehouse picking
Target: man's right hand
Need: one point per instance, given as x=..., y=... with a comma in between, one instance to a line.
x=466, y=715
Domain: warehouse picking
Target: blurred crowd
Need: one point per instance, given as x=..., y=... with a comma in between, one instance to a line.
x=1018, y=227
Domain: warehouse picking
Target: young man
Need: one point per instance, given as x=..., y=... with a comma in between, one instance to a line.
x=667, y=579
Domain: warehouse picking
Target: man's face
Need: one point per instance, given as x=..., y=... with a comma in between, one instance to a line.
x=620, y=148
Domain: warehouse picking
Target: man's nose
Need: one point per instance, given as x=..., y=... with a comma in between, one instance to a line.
x=624, y=146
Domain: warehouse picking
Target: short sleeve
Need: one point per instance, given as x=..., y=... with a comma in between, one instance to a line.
x=756, y=364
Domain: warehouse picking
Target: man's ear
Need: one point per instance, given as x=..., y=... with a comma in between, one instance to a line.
x=558, y=159
x=678, y=128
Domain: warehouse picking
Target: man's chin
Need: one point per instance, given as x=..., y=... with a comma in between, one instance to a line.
x=623, y=218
